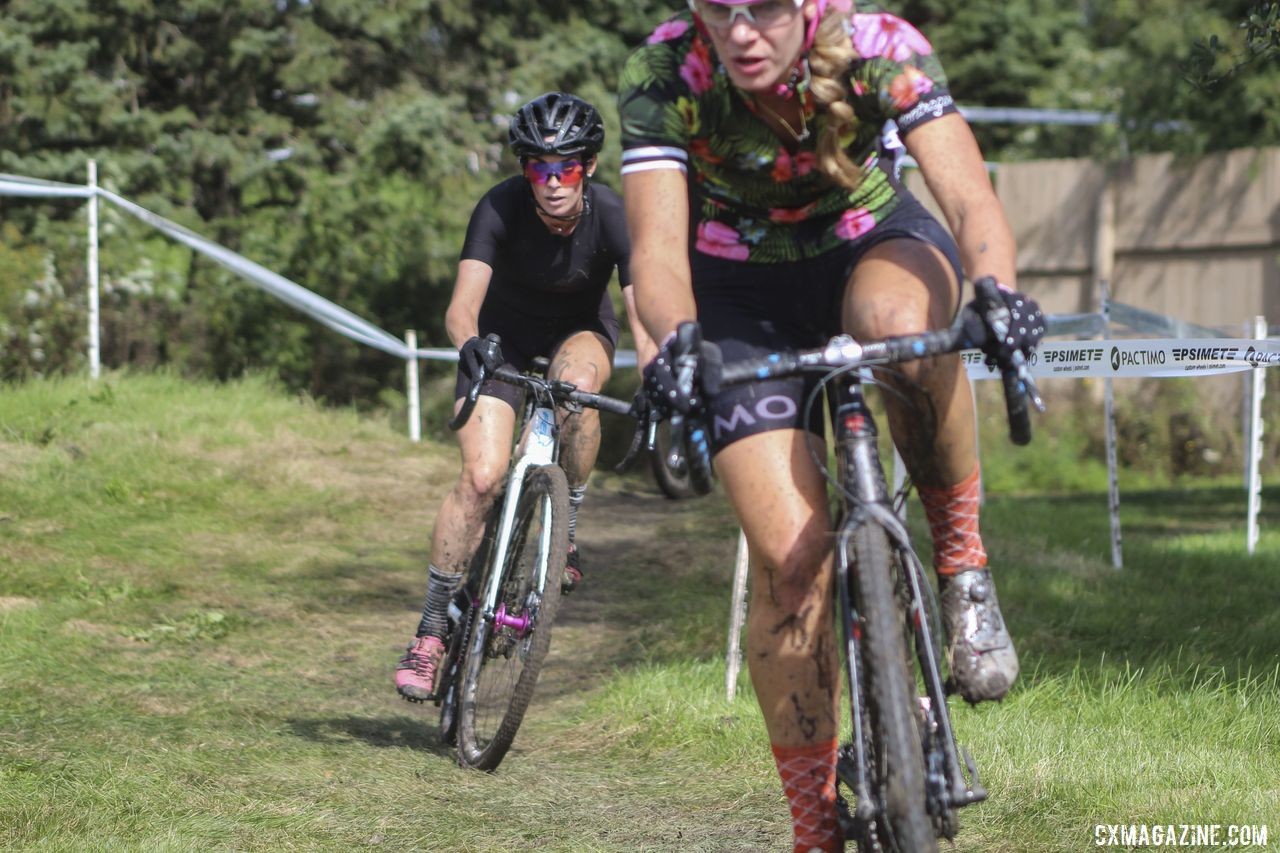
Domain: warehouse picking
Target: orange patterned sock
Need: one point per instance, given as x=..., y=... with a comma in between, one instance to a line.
x=809, y=779
x=953, y=523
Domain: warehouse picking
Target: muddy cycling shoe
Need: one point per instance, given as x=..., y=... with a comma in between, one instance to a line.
x=416, y=672
x=979, y=649
x=572, y=571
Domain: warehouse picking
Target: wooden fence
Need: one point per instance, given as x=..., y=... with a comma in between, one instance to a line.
x=1196, y=241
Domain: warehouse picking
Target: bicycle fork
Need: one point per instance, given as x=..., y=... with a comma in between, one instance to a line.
x=867, y=502
x=945, y=782
x=859, y=467
x=538, y=448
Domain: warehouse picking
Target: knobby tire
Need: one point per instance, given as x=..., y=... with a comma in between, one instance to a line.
x=452, y=668
x=455, y=653
x=500, y=669
x=897, y=757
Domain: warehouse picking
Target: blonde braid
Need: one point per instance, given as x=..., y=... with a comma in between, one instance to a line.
x=829, y=60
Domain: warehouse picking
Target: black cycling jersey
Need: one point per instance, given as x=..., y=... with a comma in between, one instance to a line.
x=545, y=287
x=540, y=274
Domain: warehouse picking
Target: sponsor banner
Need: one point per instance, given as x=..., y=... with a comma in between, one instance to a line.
x=1140, y=358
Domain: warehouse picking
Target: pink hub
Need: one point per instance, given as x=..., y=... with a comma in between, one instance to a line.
x=519, y=624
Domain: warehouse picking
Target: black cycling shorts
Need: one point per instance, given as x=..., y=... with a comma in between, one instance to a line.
x=751, y=310
x=526, y=338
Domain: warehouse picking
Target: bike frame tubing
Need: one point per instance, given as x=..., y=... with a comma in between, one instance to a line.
x=539, y=448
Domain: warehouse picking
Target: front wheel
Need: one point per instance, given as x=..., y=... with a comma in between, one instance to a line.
x=509, y=643
x=673, y=481
x=902, y=821
x=467, y=602
x=452, y=665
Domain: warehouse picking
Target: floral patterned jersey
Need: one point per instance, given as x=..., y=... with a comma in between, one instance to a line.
x=754, y=198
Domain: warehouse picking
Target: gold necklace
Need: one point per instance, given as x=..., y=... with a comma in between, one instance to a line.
x=800, y=135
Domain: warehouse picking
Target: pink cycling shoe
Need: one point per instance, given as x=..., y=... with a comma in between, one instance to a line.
x=416, y=672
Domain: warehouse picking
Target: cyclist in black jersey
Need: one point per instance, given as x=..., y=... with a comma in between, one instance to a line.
x=540, y=250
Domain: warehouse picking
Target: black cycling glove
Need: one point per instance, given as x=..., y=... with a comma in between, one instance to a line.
x=477, y=352
x=1016, y=318
x=685, y=372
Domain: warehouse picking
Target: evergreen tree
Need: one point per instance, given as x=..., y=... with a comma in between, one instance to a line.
x=344, y=144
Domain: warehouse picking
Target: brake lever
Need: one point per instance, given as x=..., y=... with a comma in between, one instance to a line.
x=643, y=438
x=997, y=320
x=1033, y=393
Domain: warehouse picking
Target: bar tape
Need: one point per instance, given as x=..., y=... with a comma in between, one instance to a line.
x=1125, y=359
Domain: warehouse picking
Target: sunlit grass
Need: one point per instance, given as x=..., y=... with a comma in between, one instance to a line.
x=203, y=589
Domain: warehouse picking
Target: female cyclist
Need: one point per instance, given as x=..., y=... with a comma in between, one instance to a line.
x=750, y=130
x=539, y=252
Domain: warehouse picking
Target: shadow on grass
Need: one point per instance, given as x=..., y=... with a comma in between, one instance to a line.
x=400, y=732
x=375, y=583
x=1189, y=602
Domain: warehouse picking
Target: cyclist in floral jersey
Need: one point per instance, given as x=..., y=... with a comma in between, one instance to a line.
x=758, y=205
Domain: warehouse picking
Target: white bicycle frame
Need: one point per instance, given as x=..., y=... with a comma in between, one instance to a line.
x=539, y=448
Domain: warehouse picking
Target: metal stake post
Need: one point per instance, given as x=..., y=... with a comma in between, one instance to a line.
x=95, y=364
x=737, y=616
x=1109, y=404
x=411, y=368
x=1254, y=451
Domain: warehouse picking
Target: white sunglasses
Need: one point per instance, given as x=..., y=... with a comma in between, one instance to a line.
x=766, y=13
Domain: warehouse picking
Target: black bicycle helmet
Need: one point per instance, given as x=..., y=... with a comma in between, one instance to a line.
x=556, y=123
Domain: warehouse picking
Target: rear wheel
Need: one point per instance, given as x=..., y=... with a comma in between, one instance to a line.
x=507, y=647
x=902, y=821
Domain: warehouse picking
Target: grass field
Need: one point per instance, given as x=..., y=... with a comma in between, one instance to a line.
x=204, y=588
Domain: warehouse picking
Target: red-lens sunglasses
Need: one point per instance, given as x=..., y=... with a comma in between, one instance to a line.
x=569, y=172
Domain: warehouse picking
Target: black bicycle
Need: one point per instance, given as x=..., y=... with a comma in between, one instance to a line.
x=500, y=621
x=903, y=773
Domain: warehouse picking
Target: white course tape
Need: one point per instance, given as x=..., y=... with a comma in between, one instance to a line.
x=1074, y=324
x=16, y=185
x=1124, y=359
x=334, y=316
x=1135, y=358
x=1157, y=325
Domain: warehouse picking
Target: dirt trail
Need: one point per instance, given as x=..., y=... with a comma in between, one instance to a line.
x=623, y=547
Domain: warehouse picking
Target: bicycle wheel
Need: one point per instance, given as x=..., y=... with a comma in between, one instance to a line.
x=466, y=599
x=926, y=639
x=674, y=483
x=451, y=666
x=507, y=648
x=903, y=822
